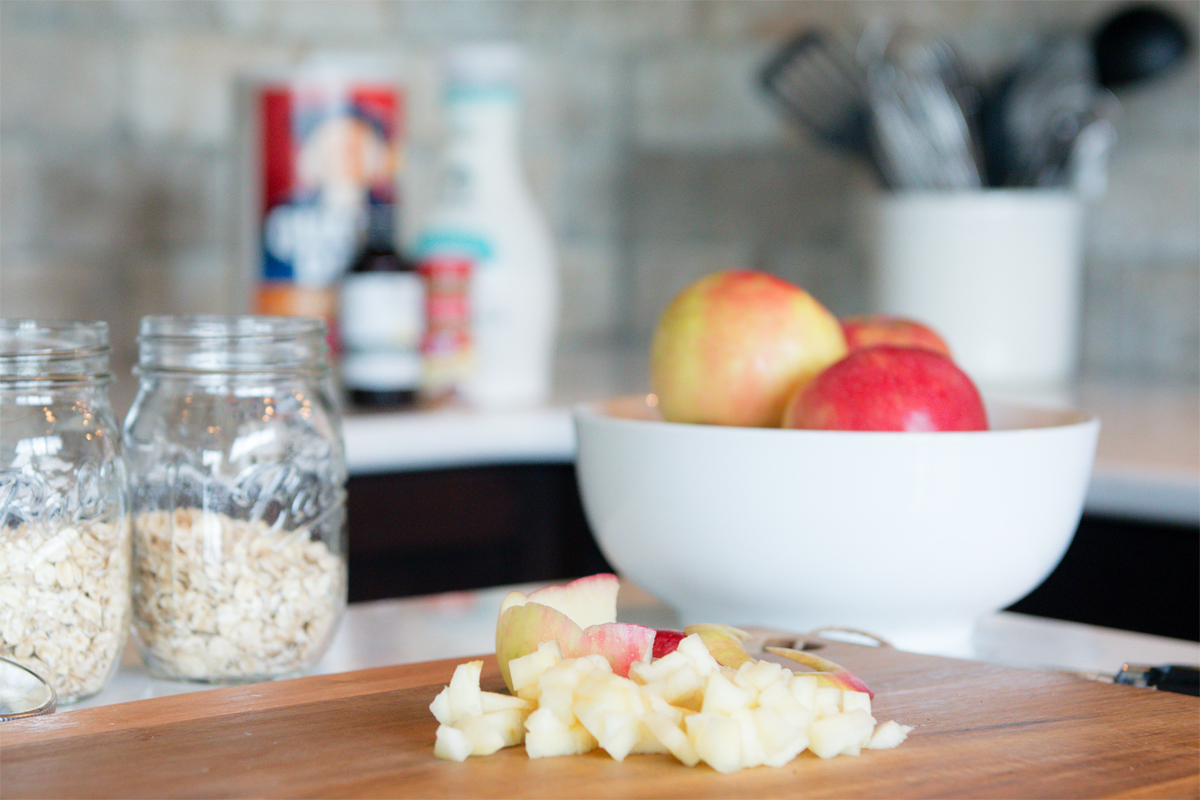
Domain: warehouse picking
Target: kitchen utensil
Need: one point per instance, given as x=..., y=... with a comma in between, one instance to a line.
x=1175, y=678
x=23, y=693
x=1164, y=677
x=980, y=729
x=1052, y=98
x=910, y=536
x=816, y=78
x=1137, y=44
x=923, y=111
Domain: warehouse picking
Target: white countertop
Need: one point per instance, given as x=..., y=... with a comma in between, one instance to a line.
x=1147, y=459
x=462, y=624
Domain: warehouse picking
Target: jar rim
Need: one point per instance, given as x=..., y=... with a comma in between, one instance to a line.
x=34, y=337
x=228, y=326
x=231, y=344
x=40, y=350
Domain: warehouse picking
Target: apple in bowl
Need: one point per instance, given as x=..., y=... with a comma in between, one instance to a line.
x=888, y=388
x=868, y=330
x=731, y=348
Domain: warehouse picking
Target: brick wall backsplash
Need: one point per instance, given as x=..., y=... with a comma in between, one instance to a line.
x=647, y=141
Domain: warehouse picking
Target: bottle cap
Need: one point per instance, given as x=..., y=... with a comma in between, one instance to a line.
x=485, y=64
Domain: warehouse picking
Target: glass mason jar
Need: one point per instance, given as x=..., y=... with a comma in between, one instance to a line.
x=237, y=480
x=64, y=525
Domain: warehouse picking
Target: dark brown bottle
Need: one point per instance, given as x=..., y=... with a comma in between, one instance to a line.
x=382, y=319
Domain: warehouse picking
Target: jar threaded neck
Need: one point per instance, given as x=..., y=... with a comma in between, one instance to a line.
x=212, y=343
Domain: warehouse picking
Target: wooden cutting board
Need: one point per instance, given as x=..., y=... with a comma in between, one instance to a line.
x=981, y=731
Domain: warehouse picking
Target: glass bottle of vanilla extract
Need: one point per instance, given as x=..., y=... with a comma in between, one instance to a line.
x=382, y=313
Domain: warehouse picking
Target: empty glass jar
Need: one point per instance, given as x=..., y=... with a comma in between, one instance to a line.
x=237, y=479
x=64, y=528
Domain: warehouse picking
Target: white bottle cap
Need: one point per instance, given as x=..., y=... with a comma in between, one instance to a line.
x=485, y=64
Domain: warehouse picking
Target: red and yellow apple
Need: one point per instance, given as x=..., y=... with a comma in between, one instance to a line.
x=734, y=346
x=886, y=388
x=868, y=330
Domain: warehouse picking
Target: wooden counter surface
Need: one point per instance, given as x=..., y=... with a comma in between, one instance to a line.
x=982, y=730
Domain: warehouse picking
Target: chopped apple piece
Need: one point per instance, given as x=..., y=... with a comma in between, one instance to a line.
x=841, y=734
x=758, y=675
x=526, y=670
x=488, y=733
x=852, y=700
x=461, y=696
x=717, y=739
x=725, y=643
x=684, y=687
x=645, y=672
x=888, y=735
x=753, y=752
x=781, y=739
x=721, y=696
x=804, y=689
x=828, y=701
x=494, y=701
x=668, y=731
x=647, y=742
x=451, y=744
x=694, y=648
x=779, y=698
x=547, y=736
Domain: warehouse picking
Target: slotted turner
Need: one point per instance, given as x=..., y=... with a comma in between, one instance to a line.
x=817, y=80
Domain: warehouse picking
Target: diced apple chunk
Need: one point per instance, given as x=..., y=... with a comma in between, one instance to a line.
x=721, y=696
x=758, y=675
x=841, y=734
x=461, y=696
x=888, y=735
x=645, y=672
x=781, y=740
x=779, y=698
x=828, y=701
x=717, y=739
x=451, y=744
x=804, y=689
x=526, y=670
x=694, y=648
x=668, y=731
x=852, y=700
x=546, y=736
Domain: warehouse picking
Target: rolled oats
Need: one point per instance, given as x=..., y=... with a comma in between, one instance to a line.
x=217, y=598
x=65, y=602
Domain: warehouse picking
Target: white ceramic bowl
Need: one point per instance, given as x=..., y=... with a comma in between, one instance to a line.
x=910, y=536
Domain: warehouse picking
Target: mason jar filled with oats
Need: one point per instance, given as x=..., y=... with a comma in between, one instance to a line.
x=64, y=526
x=237, y=477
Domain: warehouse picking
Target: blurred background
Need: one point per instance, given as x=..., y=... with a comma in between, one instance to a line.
x=648, y=140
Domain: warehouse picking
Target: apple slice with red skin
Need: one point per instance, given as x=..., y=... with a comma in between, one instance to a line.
x=555, y=613
x=727, y=646
x=591, y=600
x=580, y=616
x=522, y=628
x=666, y=640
